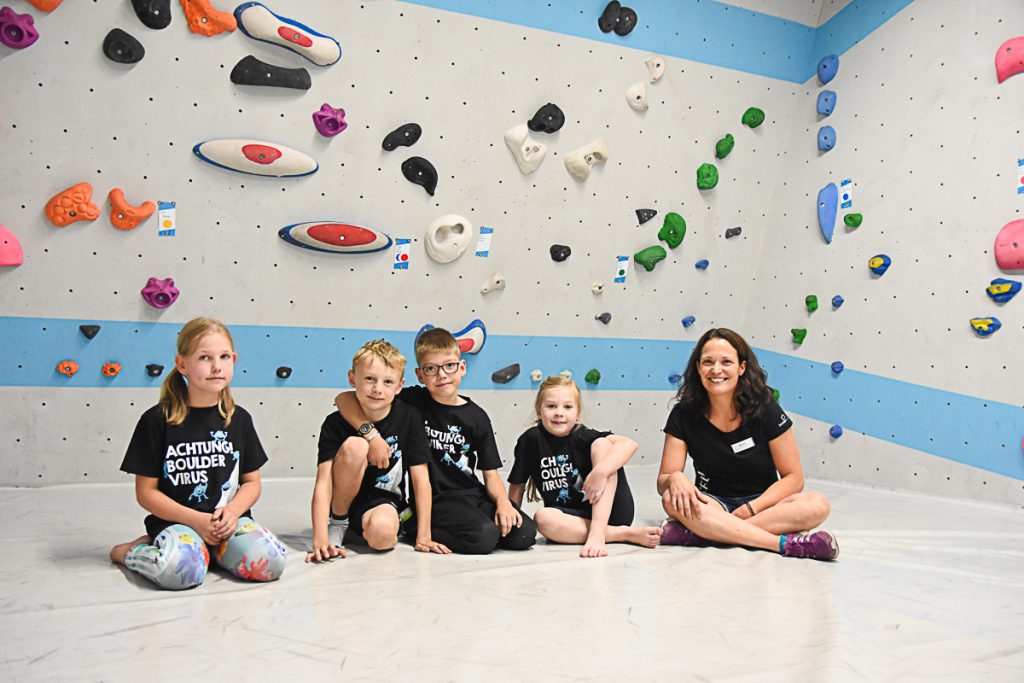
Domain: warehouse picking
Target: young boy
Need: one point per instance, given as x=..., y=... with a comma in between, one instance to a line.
x=467, y=516
x=366, y=490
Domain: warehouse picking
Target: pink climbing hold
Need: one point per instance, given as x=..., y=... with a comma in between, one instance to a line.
x=1009, y=247
x=160, y=293
x=10, y=249
x=1010, y=58
x=17, y=31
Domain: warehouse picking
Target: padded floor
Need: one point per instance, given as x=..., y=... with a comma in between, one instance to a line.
x=924, y=588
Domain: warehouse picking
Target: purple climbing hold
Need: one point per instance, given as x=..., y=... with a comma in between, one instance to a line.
x=548, y=119
x=732, y=232
x=419, y=171
x=688, y=320
x=702, y=264
x=644, y=215
x=160, y=293
x=403, y=136
x=17, y=31
x=559, y=252
x=329, y=121
x=89, y=331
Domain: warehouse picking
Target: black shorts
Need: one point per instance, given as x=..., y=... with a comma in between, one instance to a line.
x=623, y=509
x=361, y=505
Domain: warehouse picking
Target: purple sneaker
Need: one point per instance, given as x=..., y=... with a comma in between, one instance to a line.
x=821, y=545
x=674, y=533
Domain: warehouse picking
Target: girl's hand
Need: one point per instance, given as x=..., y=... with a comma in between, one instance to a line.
x=594, y=485
x=206, y=530
x=223, y=522
x=507, y=517
x=683, y=496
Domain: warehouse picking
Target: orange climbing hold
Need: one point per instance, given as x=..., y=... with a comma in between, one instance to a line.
x=73, y=204
x=123, y=215
x=45, y=5
x=67, y=368
x=110, y=369
x=205, y=19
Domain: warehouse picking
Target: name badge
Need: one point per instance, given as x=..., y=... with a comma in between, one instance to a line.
x=741, y=446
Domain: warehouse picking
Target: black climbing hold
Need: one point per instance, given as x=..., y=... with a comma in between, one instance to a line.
x=154, y=370
x=283, y=372
x=560, y=252
x=421, y=172
x=604, y=317
x=644, y=215
x=89, y=331
x=122, y=47
x=403, y=136
x=252, y=71
x=627, y=21
x=548, y=119
x=505, y=375
x=153, y=13
x=733, y=232
x=617, y=18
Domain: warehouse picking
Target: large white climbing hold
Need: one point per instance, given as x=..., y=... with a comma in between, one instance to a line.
x=636, y=96
x=259, y=23
x=656, y=67
x=448, y=238
x=579, y=162
x=528, y=152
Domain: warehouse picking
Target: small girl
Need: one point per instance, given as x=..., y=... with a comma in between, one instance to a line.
x=579, y=474
x=196, y=459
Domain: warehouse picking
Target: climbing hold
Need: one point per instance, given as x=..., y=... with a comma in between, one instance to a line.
x=799, y=334
x=688, y=320
x=123, y=215
x=548, y=119
x=1009, y=247
x=45, y=5
x=10, y=249
x=559, y=252
x=636, y=96
x=68, y=368
x=1002, y=290
x=655, y=67
x=283, y=372
x=329, y=121
x=732, y=232
x=853, y=220
x=828, y=202
x=826, y=138
x=724, y=146
x=110, y=369
x=155, y=14
x=565, y=374
x=604, y=317
x=419, y=171
x=649, y=257
x=17, y=31
x=837, y=301
x=259, y=23
x=644, y=215
x=811, y=301
x=256, y=158
x=596, y=287
x=707, y=176
x=495, y=282
x=752, y=117
x=579, y=162
x=71, y=205
x=154, y=370
x=252, y=71
x=335, y=238
x=506, y=374
x=472, y=337
x=828, y=67
x=89, y=331
x=826, y=102
x=160, y=293
x=448, y=238
x=528, y=152
x=204, y=19
x=835, y=431
x=593, y=376
x=702, y=264
x=1010, y=58
x=983, y=327
x=122, y=47
x=675, y=379
x=776, y=394
x=838, y=367
x=536, y=375
x=879, y=264
x=672, y=230
x=404, y=136
x=617, y=18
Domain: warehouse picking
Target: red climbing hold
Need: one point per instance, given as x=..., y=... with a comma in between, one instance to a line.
x=261, y=154
x=293, y=36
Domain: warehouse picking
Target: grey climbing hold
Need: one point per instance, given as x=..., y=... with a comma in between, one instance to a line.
x=252, y=71
x=89, y=331
x=644, y=215
x=559, y=252
x=404, y=136
x=604, y=317
x=154, y=370
x=283, y=372
x=506, y=374
x=419, y=171
x=732, y=232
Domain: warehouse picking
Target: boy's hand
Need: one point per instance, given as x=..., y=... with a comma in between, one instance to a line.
x=324, y=550
x=379, y=454
x=223, y=522
x=429, y=546
x=507, y=517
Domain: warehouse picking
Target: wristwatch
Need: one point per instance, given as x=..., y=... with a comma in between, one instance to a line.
x=366, y=428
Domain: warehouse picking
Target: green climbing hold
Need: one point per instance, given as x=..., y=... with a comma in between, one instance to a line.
x=707, y=176
x=649, y=257
x=853, y=219
x=724, y=146
x=776, y=394
x=593, y=377
x=673, y=231
x=799, y=334
x=753, y=117
x=812, y=303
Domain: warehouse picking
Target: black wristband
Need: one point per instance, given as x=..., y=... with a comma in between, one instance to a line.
x=750, y=508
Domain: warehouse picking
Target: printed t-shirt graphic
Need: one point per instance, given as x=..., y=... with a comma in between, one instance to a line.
x=558, y=466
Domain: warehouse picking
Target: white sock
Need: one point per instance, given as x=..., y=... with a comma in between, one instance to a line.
x=336, y=529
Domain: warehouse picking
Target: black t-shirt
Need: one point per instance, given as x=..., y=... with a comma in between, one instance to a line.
x=732, y=464
x=198, y=462
x=557, y=465
x=461, y=440
x=402, y=429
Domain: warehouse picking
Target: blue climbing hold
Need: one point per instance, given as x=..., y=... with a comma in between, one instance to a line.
x=837, y=301
x=1002, y=290
x=702, y=264
x=828, y=205
x=838, y=367
x=828, y=67
x=826, y=102
x=689, y=320
x=983, y=327
x=675, y=379
x=826, y=138
x=879, y=264
x=835, y=431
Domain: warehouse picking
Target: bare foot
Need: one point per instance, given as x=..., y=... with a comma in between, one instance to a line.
x=593, y=548
x=120, y=551
x=646, y=536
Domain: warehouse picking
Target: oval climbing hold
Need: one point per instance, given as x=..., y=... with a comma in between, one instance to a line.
x=506, y=374
x=826, y=138
x=122, y=47
x=826, y=102
x=283, y=372
x=335, y=237
x=828, y=67
x=835, y=431
x=255, y=157
x=1002, y=290
x=650, y=257
x=419, y=171
x=837, y=301
x=879, y=264
x=983, y=327
x=252, y=71
x=404, y=136
x=702, y=264
x=707, y=176
x=752, y=117
x=155, y=14
x=68, y=368
x=593, y=376
x=259, y=23
x=828, y=204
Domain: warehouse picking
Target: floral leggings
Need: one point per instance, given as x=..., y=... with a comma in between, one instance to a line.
x=178, y=558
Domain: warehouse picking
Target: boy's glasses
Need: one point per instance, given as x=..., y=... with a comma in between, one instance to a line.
x=431, y=370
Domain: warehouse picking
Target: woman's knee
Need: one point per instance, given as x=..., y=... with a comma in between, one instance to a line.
x=819, y=507
x=176, y=560
x=252, y=553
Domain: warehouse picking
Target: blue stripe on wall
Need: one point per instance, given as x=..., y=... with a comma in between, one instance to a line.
x=977, y=432
x=699, y=30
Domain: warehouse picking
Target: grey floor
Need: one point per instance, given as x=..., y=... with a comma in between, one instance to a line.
x=925, y=588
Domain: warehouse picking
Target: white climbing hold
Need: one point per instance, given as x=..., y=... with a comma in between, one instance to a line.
x=597, y=287
x=656, y=67
x=448, y=237
x=496, y=281
x=536, y=375
x=580, y=161
x=636, y=95
x=528, y=152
